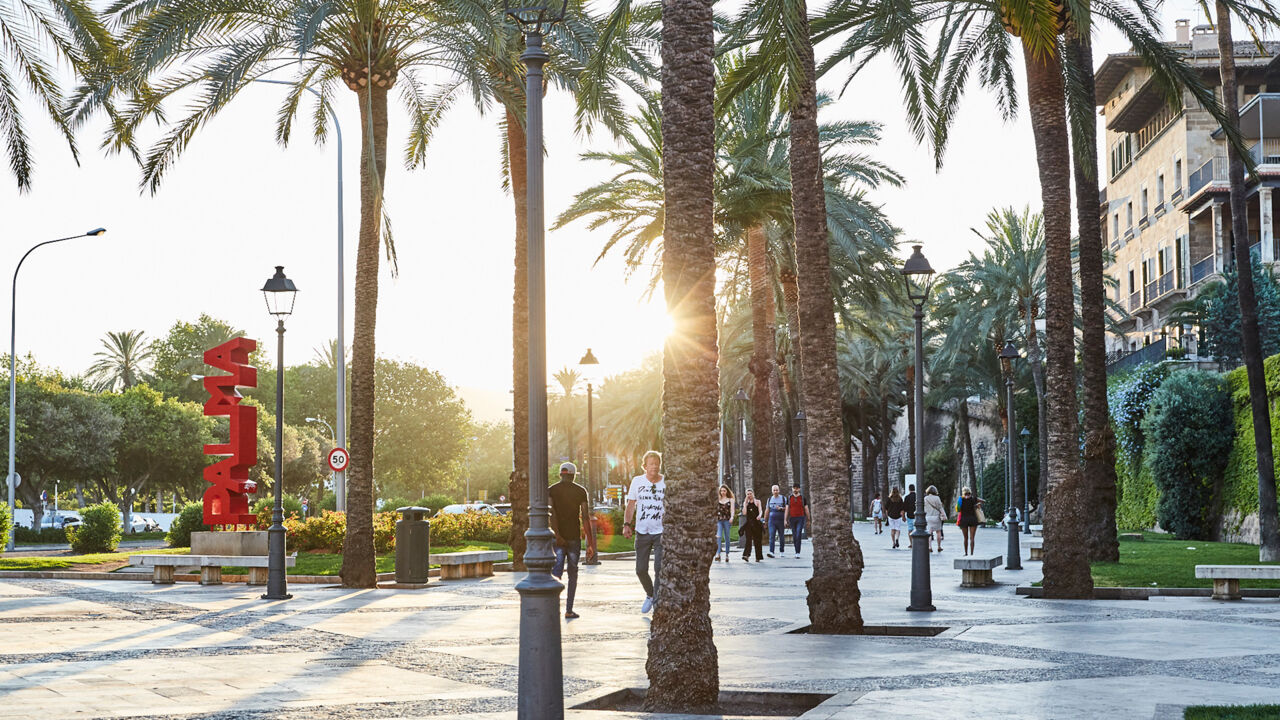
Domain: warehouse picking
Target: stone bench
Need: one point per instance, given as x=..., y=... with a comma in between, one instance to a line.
x=1226, y=578
x=163, y=566
x=1131, y=537
x=976, y=572
x=1037, y=530
x=458, y=565
x=1037, y=549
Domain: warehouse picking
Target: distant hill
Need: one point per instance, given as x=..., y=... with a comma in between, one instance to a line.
x=486, y=404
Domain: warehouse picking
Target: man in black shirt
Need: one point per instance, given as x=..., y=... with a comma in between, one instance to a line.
x=909, y=505
x=570, y=512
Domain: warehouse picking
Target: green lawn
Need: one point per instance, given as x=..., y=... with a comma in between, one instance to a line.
x=62, y=562
x=1162, y=561
x=1232, y=712
x=324, y=564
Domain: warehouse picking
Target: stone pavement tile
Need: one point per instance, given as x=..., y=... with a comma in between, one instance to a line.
x=1138, y=638
x=9, y=589
x=741, y=659
x=1128, y=697
x=45, y=606
x=158, y=686
x=104, y=635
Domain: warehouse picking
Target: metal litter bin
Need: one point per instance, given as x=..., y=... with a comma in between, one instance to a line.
x=413, y=544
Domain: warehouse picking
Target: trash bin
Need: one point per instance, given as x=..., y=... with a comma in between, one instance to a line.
x=413, y=544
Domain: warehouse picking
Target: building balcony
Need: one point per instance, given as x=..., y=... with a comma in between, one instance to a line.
x=1135, y=301
x=1143, y=221
x=1201, y=269
x=1152, y=353
x=1214, y=170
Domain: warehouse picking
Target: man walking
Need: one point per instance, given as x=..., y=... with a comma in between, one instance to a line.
x=909, y=507
x=797, y=514
x=570, y=512
x=645, y=505
x=777, y=512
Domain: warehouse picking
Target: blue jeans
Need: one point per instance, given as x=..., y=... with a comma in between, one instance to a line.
x=568, y=558
x=797, y=531
x=776, y=527
x=722, y=536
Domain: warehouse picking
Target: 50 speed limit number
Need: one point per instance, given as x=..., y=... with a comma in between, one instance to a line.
x=338, y=459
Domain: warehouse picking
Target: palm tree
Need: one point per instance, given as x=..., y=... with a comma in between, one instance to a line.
x=366, y=45
x=38, y=38
x=1268, y=524
x=120, y=364
x=682, y=665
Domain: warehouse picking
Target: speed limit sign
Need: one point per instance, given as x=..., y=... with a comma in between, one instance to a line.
x=338, y=459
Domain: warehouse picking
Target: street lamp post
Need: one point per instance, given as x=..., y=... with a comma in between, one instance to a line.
x=1013, y=561
x=13, y=371
x=540, y=685
x=918, y=276
x=332, y=473
x=340, y=361
x=1026, y=506
x=280, y=293
x=590, y=360
x=740, y=399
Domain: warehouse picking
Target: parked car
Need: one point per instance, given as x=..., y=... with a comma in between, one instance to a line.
x=62, y=520
x=138, y=523
x=503, y=508
x=460, y=508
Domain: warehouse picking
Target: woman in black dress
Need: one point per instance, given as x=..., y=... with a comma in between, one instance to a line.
x=752, y=529
x=969, y=519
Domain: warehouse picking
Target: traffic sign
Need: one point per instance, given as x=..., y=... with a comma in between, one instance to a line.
x=338, y=459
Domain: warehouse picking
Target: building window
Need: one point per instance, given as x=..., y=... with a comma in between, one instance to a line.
x=1177, y=174
x=1116, y=234
x=1144, y=204
x=1160, y=189
x=1128, y=215
x=1132, y=287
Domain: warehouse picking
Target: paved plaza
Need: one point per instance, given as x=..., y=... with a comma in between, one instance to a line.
x=130, y=649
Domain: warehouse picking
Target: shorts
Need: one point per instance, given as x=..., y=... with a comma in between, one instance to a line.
x=895, y=523
x=934, y=523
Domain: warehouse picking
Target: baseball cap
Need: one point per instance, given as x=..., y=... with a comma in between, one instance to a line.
x=568, y=468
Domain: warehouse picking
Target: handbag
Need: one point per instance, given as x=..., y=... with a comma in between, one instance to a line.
x=982, y=517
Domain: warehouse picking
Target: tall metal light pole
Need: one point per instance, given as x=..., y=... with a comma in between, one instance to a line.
x=540, y=686
x=280, y=293
x=740, y=399
x=340, y=419
x=592, y=364
x=13, y=373
x=332, y=473
x=918, y=276
x=1026, y=514
x=1013, y=558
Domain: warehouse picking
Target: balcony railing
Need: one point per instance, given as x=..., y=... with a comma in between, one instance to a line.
x=1151, y=353
x=1201, y=269
x=1151, y=291
x=1255, y=251
x=1266, y=152
x=1214, y=169
x=1135, y=301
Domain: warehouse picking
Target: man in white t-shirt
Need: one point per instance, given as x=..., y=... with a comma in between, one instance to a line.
x=646, y=502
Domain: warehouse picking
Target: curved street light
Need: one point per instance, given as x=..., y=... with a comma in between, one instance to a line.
x=13, y=384
x=280, y=293
x=918, y=276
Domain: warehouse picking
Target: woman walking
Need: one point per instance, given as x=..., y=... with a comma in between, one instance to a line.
x=894, y=509
x=877, y=513
x=752, y=529
x=935, y=513
x=970, y=510
x=724, y=517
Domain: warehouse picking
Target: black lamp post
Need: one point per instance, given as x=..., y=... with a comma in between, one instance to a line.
x=1013, y=559
x=918, y=276
x=590, y=360
x=540, y=686
x=280, y=293
x=1026, y=502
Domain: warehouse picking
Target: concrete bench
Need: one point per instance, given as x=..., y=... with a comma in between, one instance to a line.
x=458, y=565
x=976, y=572
x=1226, y=578
x=1131, y=537
x=1037, y=549
x=210, y=566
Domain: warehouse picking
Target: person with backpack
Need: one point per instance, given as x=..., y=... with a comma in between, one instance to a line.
x=797, y=513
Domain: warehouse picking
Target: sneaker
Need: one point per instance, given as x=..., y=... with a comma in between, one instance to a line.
x=797, y=556
x=647, y=606
x=769, y=554
x=717, y=558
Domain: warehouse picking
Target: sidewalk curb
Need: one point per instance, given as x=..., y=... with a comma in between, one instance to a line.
x=1144, y=593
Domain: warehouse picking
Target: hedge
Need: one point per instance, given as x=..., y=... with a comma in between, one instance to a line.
x=99, y=531
x=1240, y=481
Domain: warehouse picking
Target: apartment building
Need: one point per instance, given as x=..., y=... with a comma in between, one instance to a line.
x=1165, y=213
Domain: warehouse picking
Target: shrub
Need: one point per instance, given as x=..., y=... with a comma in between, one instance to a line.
x=99, y=532
x=6, y=523
x=940, y=465
x=1189, y=431
x=190, y=519
x=457, y=529
x=1128, y=400
x=323, y=533
x=262, y=508
x=1136, y=497
x=436, y=501
x=43, y=535
x=390, y=504
x=991, y=489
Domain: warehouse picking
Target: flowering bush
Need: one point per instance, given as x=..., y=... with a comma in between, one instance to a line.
x=457, y=529
x=1128, y=400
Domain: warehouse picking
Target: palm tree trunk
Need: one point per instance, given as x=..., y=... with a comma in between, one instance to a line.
x=1099, y=439
x=518, y=484
x=683, y=667
x=778, y=409
x=791, y=306
x=883, y=451
x=1066, y=561
x=837, y=558
x=357, y=551
x=1268, y=526
x=763, y=350
x=967, y=442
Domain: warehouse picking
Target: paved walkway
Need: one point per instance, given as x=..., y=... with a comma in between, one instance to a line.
x=130, y=649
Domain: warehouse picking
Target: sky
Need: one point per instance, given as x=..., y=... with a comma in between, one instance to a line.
x=236, y=204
